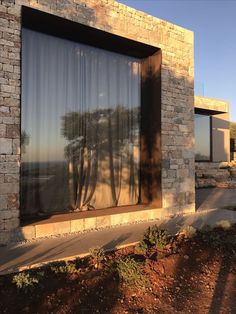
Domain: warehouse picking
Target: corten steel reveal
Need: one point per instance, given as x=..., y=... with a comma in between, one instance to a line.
x=167, y=102
x=57, y=26
x=151, y=131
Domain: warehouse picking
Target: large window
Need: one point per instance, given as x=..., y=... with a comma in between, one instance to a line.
x=80, y=126
x=202, y=137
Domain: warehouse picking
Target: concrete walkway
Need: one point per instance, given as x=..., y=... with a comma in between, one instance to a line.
x=215, y=198
x=32, y=254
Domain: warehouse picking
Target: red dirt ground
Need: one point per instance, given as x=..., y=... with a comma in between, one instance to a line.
x=195, y=276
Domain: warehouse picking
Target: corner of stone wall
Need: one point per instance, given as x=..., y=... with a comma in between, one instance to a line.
x=178, y=164
x=9, y=119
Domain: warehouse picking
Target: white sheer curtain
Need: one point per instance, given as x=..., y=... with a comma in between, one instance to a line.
x=80, y=126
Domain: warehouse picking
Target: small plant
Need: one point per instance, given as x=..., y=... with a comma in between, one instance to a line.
x=189, y=232
x=130, y=272
x=98, y=255
x=141, y=247
x=67, y=268
x=224, y=224
x=154, y=236
x=24, y=281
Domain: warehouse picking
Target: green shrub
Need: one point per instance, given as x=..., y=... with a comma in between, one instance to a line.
x=24, y=281
x=98, y=255
x=213, y=240
x=210, y=237
x=154, y=236
x=141, y=247
x=130, y=272
x=66, y=268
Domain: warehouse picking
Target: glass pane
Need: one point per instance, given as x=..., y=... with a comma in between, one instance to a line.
x=80, y=126
x=202, y=137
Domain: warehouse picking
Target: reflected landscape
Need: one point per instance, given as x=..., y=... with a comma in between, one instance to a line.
x=80, y=127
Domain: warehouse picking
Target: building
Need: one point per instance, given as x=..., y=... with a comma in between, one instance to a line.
x=212, y=135
x=103, y=97
x=212, y=144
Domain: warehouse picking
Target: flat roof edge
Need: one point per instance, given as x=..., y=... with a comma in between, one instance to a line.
x=211, y=105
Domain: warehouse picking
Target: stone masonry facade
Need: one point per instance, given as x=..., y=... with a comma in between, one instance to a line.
x=216, y=174
x=177, y=95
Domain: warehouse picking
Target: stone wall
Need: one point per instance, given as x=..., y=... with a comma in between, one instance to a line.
x=216, y=174
x=177, y=95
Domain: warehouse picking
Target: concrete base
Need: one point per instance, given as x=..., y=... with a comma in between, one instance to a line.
x=84, y=221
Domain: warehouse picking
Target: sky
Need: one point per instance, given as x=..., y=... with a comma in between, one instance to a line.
x=214, y=26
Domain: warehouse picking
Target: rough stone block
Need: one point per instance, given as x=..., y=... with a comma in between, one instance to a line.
x=7, y=67
x=13, y=131
x=3, y=130
x=3, y=203
x=13, y=201
x=5, y=146
x=8, y=88
x=4, y=111
x=16, y=146
x=9, y=167
x=11, y=178
x=8, y=188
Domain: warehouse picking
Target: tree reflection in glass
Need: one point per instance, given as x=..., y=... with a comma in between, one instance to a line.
x=103, y=155
x=81, y=107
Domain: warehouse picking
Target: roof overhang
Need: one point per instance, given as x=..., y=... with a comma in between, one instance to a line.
x=210, y=106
